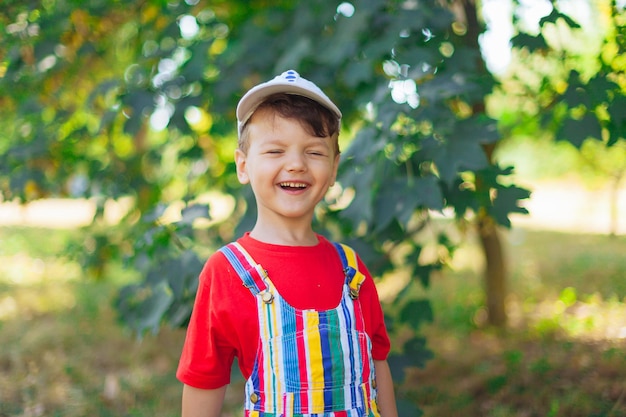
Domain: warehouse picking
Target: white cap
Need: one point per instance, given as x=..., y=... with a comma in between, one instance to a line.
x=288, y=82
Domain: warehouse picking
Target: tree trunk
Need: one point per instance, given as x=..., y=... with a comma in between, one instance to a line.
x=495, y=270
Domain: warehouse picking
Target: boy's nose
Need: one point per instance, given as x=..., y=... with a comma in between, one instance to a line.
x=295, y=162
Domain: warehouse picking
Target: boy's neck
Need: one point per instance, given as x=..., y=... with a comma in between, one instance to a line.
x=285, y=236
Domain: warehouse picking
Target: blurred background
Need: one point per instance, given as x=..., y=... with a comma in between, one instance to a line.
x=481, y=181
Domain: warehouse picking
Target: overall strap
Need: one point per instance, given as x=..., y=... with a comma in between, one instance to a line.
x=350, y=266
x=252, y=274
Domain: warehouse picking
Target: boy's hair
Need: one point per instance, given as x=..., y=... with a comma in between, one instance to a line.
x=314, y=118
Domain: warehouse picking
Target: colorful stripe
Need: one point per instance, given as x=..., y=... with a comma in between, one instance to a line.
x=350, y=263
x=252, y=274
x=309, y=363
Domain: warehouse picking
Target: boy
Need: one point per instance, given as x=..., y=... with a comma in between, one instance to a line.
x=300, y=313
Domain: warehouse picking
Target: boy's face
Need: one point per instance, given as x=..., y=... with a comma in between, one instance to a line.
x=288, y=169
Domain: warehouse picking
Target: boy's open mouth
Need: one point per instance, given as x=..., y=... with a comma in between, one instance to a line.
x=292, y=185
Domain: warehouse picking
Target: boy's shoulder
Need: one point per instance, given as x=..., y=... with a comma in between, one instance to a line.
x=247, y=246
x=325, y=247
x=324, y=242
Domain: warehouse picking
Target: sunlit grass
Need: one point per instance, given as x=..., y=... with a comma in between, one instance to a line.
x=37, y=275
x=63, y=351
x=564, y=352
x=589, y=299
x=557, y=282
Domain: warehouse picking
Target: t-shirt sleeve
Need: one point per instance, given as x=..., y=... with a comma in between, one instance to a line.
x=373, y=315
x=207, y=357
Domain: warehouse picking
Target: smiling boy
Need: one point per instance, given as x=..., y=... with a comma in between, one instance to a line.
x=300, y=313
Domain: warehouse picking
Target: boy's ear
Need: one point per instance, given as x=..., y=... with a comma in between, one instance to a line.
x=240, y=163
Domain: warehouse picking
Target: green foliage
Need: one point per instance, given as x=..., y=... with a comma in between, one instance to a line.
x=134, y=70
x=137, y=100
x=584, y=94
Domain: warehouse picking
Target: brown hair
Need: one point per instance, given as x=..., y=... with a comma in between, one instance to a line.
x=315, y=118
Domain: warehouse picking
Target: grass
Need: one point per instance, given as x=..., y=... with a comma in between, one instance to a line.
x=63, y=352
x=564, y=353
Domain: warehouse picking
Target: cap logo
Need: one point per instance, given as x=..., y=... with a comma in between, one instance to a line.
x=290, y=75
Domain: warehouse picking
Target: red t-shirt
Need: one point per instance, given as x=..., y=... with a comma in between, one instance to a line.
x=224, y=322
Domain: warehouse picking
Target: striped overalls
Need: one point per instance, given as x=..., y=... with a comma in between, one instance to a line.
x=309, y=363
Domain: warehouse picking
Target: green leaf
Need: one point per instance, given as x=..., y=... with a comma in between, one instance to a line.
x=182, y=273
x=479, y=129
x=600, y=88
x=506, y=202
x=428, y=193
x=398, y=363
x=416, y=349
x=361, y=207
x=555, y=15
x=193, y=69
x=445, y=86
x=416, y=312
x=617, y=123
x=143, y=307
x=460, y=198
x=459, y=153
x=577, y=131
x=423, y=272
x=532, y=43
x=401, y=197
x=462, y=149
x=361, y=151
x=576, y=93
x=414, y=354
x=358, y=72
x=292, y=57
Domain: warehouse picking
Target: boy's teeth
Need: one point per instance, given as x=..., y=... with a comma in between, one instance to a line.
x=292, y=185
